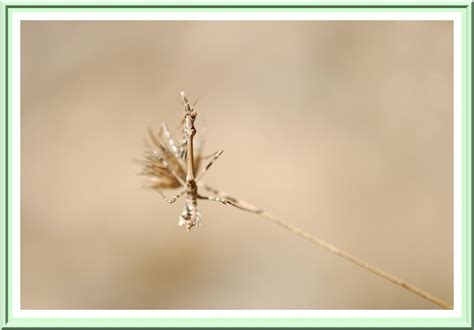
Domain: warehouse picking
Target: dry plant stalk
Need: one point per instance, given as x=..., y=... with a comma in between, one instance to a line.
x=245, y=206
x=173, y=167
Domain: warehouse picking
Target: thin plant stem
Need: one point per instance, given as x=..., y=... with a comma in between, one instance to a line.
x=190, y=217
x=245, y=206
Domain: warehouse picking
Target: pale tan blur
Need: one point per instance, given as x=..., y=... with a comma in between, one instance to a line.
x=343, y=128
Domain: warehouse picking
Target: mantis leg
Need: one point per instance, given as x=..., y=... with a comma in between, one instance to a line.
x=173, y=199
x=205, y=169
x=215, y=199
x=229, y=200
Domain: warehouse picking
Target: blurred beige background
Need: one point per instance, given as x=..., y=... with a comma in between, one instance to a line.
x=343, y=128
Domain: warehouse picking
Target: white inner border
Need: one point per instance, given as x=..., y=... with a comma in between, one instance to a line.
x=17, y=17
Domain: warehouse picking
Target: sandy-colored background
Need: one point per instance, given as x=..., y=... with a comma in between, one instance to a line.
x=343, y=128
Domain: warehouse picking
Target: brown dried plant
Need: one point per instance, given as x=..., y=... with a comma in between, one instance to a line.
x=171, y=166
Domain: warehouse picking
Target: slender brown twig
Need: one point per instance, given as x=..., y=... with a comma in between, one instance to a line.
x=245, y=206
x=175, y=167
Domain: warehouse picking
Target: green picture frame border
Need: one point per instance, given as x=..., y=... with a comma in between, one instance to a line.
x=7, y=7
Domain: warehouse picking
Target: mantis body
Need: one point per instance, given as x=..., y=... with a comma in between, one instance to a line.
x=174, y=167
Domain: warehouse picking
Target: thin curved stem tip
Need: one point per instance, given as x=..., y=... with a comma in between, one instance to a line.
x=245, y=206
